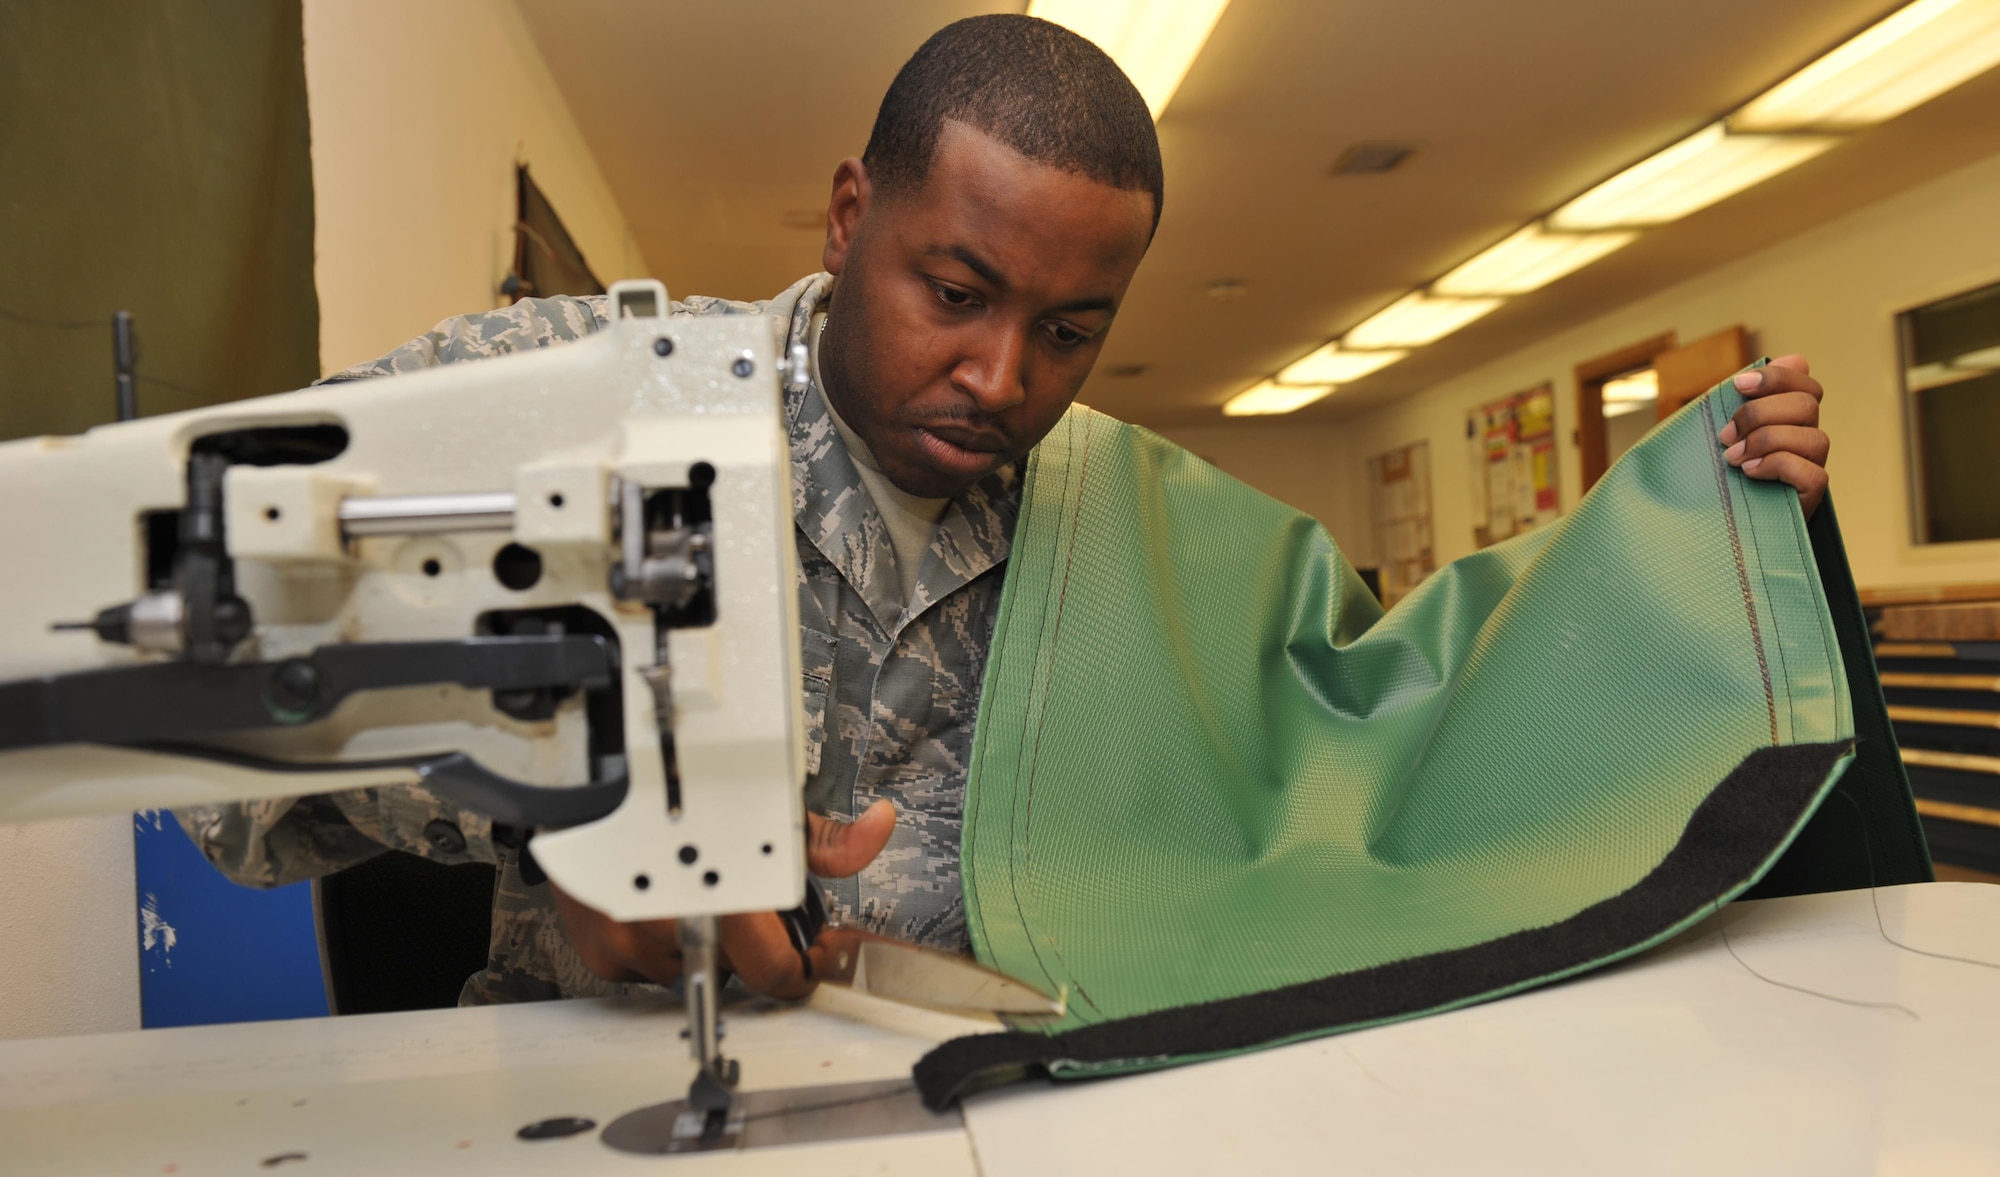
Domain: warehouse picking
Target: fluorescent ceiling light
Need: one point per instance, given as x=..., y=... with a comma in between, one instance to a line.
x=1706, y=167
x=1905, y=60
x=1530, y=260
x=1153, y=41
x=1643, y=385
x=1330, y=365
x=1272, y=397
x=1417, y=319
x=1968, y=366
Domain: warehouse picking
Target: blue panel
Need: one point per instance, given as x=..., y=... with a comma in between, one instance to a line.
x=211, y=951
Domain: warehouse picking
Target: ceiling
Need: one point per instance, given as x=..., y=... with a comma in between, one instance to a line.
x=718, y=127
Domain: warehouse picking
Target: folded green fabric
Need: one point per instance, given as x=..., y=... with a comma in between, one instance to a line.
x=1224, y=802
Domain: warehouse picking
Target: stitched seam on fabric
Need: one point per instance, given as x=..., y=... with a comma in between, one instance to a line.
x=1771, y=610
x=1053, y=628
x=1034, y=767
x=1736, y=549
x=1014, y=869
x=996, y=664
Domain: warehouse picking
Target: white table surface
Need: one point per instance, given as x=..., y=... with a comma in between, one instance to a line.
x=1680, y=1061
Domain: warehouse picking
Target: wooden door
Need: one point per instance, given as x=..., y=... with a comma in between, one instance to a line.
x=1593, y=452
x=1687, y=372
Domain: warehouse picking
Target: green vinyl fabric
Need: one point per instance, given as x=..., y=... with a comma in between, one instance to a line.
x=1223, y=802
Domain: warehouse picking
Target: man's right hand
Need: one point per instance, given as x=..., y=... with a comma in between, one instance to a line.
x=755, y=945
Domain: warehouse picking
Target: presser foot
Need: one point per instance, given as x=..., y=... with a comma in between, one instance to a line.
x=712, y=1108
x=790, y=1116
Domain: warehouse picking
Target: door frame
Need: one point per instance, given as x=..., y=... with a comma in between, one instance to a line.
x=1593, y=449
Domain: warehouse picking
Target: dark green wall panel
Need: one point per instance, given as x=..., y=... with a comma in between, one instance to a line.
x=154, y=157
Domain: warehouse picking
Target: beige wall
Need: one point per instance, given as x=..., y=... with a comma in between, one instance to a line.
x=1831, y=294
x=419, y=112
x=69, y=928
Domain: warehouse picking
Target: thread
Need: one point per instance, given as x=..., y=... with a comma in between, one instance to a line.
x=181, y=388
x=1814, y=992
x=28, y=320
x=830, y=1105
x=1875, y=902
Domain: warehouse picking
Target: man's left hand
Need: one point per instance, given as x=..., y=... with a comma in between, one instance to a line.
x=1776, y=434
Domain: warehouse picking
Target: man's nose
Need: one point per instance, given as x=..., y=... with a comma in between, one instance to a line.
x=994, y=373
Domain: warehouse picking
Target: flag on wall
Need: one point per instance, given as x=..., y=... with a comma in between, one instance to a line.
x=546, y=260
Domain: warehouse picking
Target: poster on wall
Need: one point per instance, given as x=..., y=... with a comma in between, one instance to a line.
x=1511, y=448
x=1399, y=508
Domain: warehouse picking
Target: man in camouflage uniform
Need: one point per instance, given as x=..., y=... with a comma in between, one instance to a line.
x=894, y=654
x=977, y=253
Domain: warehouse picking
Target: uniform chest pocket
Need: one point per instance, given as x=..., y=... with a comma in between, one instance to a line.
x=816, y=652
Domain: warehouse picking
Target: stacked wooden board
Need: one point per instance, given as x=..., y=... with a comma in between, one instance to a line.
x=1944, y=700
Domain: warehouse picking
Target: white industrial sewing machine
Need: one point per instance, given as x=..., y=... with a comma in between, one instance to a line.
x=557, y=588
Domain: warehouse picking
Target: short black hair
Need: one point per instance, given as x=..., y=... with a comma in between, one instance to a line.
x=1032, y=84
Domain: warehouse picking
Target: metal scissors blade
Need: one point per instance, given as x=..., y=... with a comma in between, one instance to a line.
x=882, y=967
x=900, y=971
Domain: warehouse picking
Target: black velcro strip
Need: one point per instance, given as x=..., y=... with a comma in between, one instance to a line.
x=1729, y=838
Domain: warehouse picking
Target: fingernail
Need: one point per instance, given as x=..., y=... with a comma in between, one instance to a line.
x=1750, y=467
x=1745, y=381
x=1734, y=454
x=1728, y=433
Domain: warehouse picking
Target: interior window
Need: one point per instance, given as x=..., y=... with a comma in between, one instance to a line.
x=1951, y=378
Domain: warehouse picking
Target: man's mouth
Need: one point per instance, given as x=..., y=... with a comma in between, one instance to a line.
x=961, y=451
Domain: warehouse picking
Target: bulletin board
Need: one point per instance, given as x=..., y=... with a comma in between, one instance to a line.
x=1399, y=508
x=1511, y=448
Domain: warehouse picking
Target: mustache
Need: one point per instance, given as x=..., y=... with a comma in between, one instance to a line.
x=952, y=415
x=961, y=416
x=972, y=430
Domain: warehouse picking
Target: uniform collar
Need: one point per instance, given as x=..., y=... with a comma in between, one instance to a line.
x=833, y=510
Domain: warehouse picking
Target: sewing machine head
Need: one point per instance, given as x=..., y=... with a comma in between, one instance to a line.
x=556, y=587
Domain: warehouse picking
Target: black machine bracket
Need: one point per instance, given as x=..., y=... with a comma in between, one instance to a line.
x=178, y=700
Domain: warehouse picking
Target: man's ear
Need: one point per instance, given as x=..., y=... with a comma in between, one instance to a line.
x=844, y=213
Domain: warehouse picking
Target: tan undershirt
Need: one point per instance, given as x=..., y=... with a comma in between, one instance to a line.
x=912, y=522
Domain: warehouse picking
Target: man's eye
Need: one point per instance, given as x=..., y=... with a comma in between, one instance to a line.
x=952, y=295
x=1066, y=335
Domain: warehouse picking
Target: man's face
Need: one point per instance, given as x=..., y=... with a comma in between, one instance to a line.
x=967, y=314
